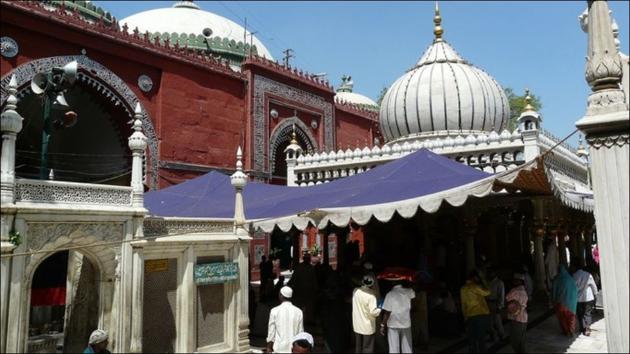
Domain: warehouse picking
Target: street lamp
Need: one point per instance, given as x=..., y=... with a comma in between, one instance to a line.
x=51, y=86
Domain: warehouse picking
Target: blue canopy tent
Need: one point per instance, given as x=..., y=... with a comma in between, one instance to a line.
x=420, y=179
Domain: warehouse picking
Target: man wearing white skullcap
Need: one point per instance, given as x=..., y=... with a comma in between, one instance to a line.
x=97, y=343
x=285, y=322
x=303, y=343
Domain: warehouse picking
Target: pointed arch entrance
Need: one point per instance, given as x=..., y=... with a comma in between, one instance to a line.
x=114, y=93
x=281, y=138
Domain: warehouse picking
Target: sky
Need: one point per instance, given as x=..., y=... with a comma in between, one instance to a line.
x=533, y=44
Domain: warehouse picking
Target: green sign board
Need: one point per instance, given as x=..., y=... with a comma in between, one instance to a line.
x=215, y=273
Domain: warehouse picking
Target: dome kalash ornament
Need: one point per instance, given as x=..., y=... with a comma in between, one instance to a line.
x=442, y=93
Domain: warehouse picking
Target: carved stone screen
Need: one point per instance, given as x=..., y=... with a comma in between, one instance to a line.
x=210, y=309
x=159, y=306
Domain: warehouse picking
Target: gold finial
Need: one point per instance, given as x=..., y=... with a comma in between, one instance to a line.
x=528, y=101
x=437, y=31
x=293, y=136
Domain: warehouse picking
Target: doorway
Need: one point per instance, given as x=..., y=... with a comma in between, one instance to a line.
x=64, y=303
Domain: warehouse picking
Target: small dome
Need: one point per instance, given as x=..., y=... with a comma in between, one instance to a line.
x=344, y=93
x=185, y=17
x=442, y=92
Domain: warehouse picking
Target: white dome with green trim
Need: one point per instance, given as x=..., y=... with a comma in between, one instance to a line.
x=345, y=94
x=185, y=22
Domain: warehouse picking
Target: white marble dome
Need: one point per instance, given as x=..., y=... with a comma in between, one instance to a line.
x=443, y=92
x=186, y=17
x=355, y=98
x=345, y=94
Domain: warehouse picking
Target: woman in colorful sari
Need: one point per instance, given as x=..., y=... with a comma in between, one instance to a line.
x=564, y=297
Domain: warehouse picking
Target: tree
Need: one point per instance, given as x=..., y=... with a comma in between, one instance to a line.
x=381, y=95
x=517, y=106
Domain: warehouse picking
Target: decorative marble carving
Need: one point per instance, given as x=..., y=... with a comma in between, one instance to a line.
x=115, y=87
x=36, y=191
x=145, y=83
x=160, y=227
x=263, y=85
x=41, y=234
x=609, y=141
x=8, y=47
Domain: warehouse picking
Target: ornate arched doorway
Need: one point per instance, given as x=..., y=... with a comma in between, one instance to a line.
x=280, y=139
x=95, y=149
x=64, y=303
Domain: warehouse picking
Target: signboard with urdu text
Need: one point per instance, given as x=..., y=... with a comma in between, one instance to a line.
x=215, y=273
x=155, y=265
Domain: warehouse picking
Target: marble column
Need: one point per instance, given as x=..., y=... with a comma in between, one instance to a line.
x=136, y=300
x=238, y=180
x=607, y=129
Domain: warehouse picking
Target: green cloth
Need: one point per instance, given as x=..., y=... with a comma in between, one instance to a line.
x=564, y=290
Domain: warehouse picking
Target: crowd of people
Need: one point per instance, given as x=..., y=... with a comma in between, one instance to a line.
x=351, y=309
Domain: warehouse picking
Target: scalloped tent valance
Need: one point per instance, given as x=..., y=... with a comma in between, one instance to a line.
x=419, y=180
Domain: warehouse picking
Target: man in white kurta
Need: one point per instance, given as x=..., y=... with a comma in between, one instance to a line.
x=397, y=319
x=285, y=322
x=364, y=314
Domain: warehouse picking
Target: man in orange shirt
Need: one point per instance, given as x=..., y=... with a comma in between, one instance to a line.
x=475, y=311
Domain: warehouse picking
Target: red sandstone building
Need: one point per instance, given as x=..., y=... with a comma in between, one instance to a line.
x=202, y=94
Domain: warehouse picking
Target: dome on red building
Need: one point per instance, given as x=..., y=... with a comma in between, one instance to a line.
x=187, y=24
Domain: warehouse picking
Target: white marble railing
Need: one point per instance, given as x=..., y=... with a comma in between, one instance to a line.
x=57, y=192
x=490, y=152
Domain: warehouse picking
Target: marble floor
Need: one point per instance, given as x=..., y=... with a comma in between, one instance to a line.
x=546, y=338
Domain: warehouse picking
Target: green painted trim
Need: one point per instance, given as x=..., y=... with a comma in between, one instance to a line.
x=218, y=45
x=87, y=9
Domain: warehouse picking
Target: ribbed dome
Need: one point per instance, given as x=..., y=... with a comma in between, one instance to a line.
x=443, y=92
x=185, y=17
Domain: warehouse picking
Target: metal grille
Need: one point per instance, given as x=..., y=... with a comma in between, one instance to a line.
x=159, y=309
x=210, y=310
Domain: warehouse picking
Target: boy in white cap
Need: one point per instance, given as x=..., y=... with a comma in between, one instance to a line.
x=97, y=343
x=303, y=343
x=285, y=322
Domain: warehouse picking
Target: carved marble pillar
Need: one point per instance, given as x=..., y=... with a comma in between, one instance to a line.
x=239, y=180
x=11, y=125
x=136, y=300
x=243, y=297
x=137, y=144
x=607, y=129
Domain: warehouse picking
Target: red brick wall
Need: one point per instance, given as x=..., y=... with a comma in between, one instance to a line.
x=352, y=131
x=198, y=115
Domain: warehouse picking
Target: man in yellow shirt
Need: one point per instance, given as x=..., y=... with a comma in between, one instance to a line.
x=475, y=311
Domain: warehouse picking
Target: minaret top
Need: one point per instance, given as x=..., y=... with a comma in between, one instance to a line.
x=437, y=20
x=293, y=136
x=528, y=102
